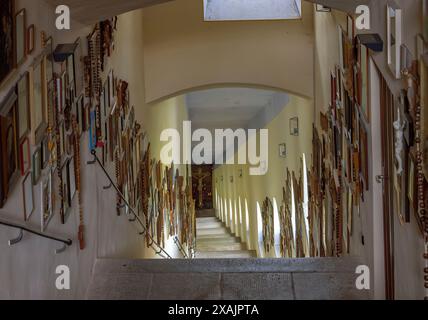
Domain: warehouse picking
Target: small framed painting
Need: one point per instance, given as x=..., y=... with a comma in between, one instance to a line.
x=92, y=132
x=39, y=109
x=58, y=89
x=425, y=18
x=24, y=156
x=350, y=28
x=111, y=87
x=30, y=39
x=24, y=124
x=21, y=37
x=8, y=145
x=46, y=201
x=294, y=126
x=45, y=152
x=27, y=197
x=79, y=110
x=71, y=178
x=7, y=52
x=36, y=165
x=66, y=201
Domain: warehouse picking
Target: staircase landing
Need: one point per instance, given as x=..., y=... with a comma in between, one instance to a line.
x=226, y=279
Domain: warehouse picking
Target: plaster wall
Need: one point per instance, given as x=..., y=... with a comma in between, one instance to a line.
x=182, y=52
x=254, y=189
x=408, y=242
x=27, y=269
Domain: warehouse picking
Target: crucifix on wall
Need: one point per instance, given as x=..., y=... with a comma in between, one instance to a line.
x=200, y=177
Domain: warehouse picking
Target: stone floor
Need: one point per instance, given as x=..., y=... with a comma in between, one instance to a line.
x=214, y=241
x=226, y=279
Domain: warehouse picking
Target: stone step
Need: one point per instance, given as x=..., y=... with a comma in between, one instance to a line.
x=212, y=231
x=219, y=246
x=220, y=241
x=215, y=236
x=208, y=219
x=270, y=265
x=226, y=279
x=227, y=254
x=208, y=225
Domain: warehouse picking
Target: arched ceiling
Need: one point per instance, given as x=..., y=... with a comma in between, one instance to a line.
x=91, y=11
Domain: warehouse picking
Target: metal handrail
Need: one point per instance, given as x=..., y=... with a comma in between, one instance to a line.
x=158, y=249
x=65, y=242
x=180, y=247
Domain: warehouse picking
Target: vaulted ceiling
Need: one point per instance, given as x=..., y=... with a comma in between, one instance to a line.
x=91, y=11
x=233, y=108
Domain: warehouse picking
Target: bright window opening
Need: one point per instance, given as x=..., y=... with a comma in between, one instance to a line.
x=226, y=10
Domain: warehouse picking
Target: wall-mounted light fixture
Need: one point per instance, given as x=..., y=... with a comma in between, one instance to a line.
x=283, y=150
x=321, y=8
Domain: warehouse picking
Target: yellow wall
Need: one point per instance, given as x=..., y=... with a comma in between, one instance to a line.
x=181, y=51
x=256, y=188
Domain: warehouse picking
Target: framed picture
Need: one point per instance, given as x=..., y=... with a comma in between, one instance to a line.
x=394, y=38
x=71, y=76
x=39, y=110
x=48, y=50
x=61, y=138
x=58, y=89
x=65, y=191
x=36, y=165
x=45, y=154
x=341, y=48
x=350, y=28
x=79, y=111
x=24, y=123
x=106, y=97
x=92, y=132
x=24, y=156
x=8, y=142
x=27, y=197
x=7, y=52
x=283, y=150
x=411, y=181
x=64, y=87
x=364, y=164
x=363, y=80
x=71, y=179
x=111, y=87
x=425, y=18
x=79, y=66
x=21, y=37
x=46, y=201
x=2, y=194
x=406, y=58
x=85, y=116
x=30, y=39
x=294, y=126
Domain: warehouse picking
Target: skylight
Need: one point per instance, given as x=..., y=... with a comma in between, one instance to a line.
x=229, y=10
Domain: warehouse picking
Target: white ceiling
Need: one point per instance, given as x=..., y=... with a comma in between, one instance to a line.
x=233, y=108
x=228, y=107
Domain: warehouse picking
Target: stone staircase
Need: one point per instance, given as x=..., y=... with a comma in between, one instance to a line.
x=226, y=279
x=215, y=241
